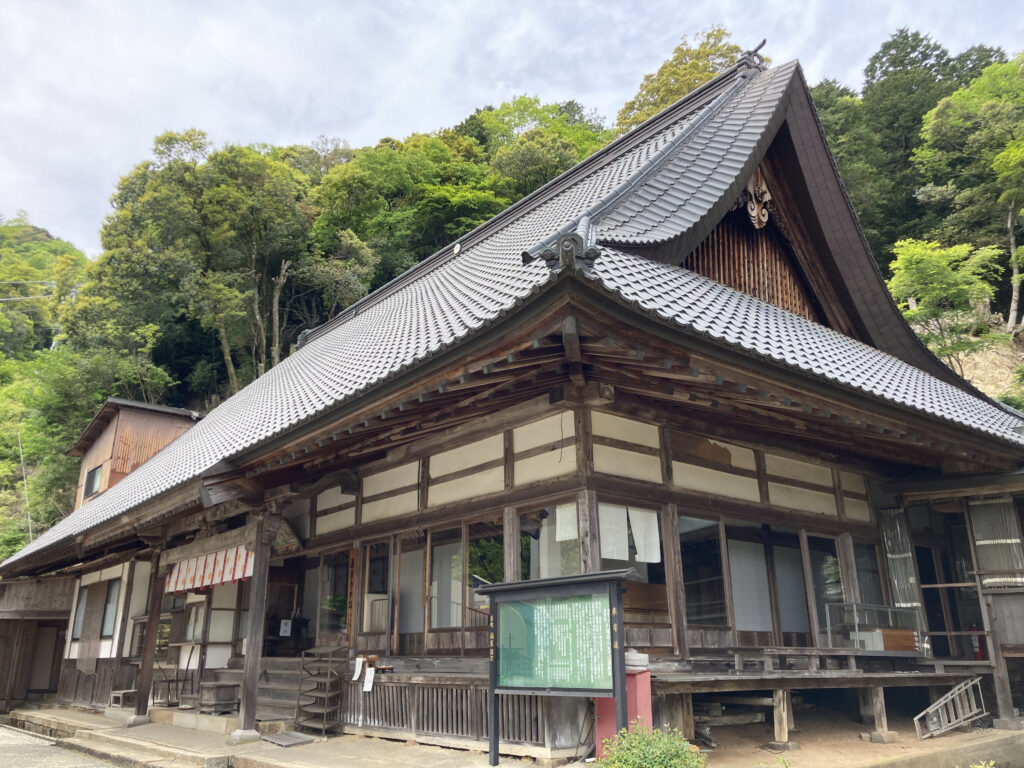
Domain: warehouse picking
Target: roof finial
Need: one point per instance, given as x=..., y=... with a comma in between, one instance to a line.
x=752, y=59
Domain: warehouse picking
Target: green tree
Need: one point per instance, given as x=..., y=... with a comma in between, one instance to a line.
x=970, y=155
x=943, y=293
x=533, y=159
x=37, y=273
x=908, y=75
x=691, y=65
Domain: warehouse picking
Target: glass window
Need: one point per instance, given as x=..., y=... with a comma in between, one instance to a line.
x=410, y=591
x=163, y=639
x=92, y=482
x=826, y=574
x=486, y=565
x=791, y=593
x=550, y=543
x=76, y=626
x=869, y=576
x=702, y=571
x=375, y=605
x=194, y=626
x=446, y=578
x=110, y=608
x=334, y=598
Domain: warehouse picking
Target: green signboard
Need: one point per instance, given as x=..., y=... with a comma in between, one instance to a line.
x=555, y=642
x=561, y=636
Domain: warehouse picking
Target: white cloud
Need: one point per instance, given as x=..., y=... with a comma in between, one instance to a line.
x=87, y=86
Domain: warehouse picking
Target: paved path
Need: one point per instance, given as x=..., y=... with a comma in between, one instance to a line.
x=19, y=749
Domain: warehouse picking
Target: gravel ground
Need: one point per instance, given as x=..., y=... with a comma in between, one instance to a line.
x=19, y=749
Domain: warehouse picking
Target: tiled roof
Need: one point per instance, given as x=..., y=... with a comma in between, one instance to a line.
x=655, y=183
x=735, y=319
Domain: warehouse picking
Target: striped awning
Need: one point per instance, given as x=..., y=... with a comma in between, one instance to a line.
x=221, y=567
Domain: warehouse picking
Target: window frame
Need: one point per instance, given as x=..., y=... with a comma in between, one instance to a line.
x=92, y=481
x=78, y=619
x=107, y=606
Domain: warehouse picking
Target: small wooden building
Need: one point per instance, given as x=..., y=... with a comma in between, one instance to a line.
x=678, y=356
x=35, y=613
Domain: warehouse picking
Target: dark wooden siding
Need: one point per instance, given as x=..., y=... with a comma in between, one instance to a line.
x=93, y=690
x=755, y=261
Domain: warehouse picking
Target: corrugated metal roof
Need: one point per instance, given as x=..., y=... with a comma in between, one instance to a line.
x=653, y=184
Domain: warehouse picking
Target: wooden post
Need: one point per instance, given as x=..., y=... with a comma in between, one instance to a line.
x=780, y=716
x=589, y=532
x=674, y=578
x=881, y=734
x=157, y=583
x=512, y=540
x=267, y=522
x=688, y=728
x=812, y=607
x=679, y=713
x=878, y=709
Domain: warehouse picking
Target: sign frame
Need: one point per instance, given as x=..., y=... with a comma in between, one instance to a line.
x=603, y=583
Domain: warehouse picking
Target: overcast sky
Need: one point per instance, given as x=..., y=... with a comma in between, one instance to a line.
x=86, y=86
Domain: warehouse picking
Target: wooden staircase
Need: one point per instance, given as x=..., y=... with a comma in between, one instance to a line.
x=279, y=679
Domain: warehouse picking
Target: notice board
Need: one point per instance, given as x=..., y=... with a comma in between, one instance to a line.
x=557, y=637
x=555, y=643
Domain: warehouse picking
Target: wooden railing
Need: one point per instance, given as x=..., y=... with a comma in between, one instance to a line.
x=445, y=708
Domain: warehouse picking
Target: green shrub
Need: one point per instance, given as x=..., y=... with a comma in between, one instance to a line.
x=646, y=748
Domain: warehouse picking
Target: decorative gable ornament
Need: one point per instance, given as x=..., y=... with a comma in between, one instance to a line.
x=758, y=199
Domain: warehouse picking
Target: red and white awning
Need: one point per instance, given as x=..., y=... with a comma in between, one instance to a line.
x=223, y=567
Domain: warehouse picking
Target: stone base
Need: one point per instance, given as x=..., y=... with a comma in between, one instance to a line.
x=243, y=737
x=778, y=746
x=133, y=720
x=1008, y=723
x=881, y=737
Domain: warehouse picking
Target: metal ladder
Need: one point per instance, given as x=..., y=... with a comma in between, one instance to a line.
x=962, y=705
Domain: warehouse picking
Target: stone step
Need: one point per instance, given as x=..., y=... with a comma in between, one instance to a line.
x=122, y=756
x=112, y=745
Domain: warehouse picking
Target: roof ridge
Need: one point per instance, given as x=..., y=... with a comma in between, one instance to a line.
x=585, y=167
x=647, y=169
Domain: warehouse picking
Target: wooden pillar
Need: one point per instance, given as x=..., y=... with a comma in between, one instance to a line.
x=512, y=540
x=881, y=734
x=780, y=717
x=267, y=522
x=812, y=607
x=589, y=532
x=1000, y=674
x=679, y=713
x=157, y=584
x=878, y=709
x=674, y=578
